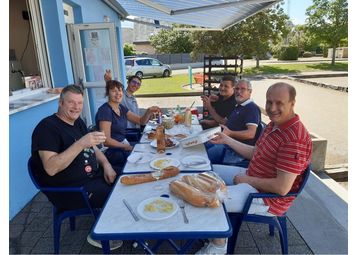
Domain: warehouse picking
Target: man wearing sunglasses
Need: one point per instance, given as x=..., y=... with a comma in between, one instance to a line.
x=129, y=100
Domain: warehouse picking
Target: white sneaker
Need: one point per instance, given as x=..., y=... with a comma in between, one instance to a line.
x=113, y=244
x=212, y=249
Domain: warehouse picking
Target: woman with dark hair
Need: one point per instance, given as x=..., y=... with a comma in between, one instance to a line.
x=112, y=118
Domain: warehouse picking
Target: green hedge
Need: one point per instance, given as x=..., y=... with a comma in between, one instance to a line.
x=289, y=53
x=307, y=54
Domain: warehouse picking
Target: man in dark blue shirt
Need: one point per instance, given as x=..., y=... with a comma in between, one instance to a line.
x=241, y=124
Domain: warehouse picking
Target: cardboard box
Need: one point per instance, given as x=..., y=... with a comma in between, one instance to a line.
x=33, y=82
x=200, y=137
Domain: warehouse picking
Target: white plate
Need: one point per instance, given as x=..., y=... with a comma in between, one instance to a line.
x=166, y=162
x=146, y=158
x=154, y=143
x=156, y=215
x=189, y=159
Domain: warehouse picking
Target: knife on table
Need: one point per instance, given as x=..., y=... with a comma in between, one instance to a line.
x=131, y=210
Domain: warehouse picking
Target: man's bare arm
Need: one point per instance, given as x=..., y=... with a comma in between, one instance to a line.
x=249, y=133
x=280, y=185
x=56, y=162
x=207, y=104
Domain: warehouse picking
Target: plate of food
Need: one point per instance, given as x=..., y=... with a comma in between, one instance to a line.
x=195, y=162
x=140, y=158
x=169, y=143
x=161, y=163
x=157, y=208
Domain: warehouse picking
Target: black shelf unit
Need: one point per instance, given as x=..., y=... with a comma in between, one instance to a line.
x=214, y=76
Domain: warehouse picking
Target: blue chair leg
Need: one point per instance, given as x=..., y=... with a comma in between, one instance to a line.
x=56, y=232
x=72, y=223
x=236, y=222
x=272, y=230
x=283, y=234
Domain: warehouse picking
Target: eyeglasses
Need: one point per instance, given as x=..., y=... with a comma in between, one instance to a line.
x=136, y=83
x=240, y=89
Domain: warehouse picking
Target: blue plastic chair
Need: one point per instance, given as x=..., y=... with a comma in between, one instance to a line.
x=279, y=222
x=59, y=214
x=244, y=162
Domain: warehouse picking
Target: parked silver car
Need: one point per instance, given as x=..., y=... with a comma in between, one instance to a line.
x=146, y=67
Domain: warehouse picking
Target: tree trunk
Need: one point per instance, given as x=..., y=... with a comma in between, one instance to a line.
x=334, y=55
x=257, y=61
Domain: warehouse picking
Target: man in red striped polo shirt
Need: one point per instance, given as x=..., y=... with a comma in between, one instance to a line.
x=278, y=160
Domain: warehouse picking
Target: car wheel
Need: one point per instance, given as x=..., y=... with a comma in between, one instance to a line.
x=139, y=74
x=166, y=73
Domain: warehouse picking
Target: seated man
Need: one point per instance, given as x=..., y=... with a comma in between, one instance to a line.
x=67, y=156
x=221, y=104
x=241, y=124
x=129, y=100
x=278, y=161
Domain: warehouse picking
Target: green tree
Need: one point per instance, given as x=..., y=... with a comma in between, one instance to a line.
x=172, y=41
x=249, y=37
x=128, y=49
x=263, y=28
x=303, y=39
x=328, y=20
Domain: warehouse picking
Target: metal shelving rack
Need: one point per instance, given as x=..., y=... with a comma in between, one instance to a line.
x=214, y=76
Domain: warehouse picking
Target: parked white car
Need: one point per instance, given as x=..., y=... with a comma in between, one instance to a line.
x=146, y=67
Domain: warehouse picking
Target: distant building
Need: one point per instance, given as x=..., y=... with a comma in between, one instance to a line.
x=142, y=33
x=341, y=52
x=127, y=35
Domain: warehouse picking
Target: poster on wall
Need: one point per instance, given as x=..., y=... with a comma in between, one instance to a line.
x=98, y=72
x=105, y=56
x=95, y=40
x=90, y=57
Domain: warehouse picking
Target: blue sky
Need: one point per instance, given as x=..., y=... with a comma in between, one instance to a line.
x=297, y=12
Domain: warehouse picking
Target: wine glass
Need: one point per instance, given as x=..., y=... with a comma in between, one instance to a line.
x=157, y=174
x=103, y=148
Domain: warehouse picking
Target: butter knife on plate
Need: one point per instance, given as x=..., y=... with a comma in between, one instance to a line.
x=131, y=210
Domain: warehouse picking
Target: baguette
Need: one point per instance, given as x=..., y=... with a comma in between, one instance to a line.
x=199, y=183
x=153, y=136
x=193, y=195
x=54, y=91
x=220, y=184
x=169, y=171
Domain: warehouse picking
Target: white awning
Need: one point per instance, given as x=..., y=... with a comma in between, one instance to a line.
x=209, y=14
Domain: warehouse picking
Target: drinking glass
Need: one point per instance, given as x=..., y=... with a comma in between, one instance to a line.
x=102, y=145
x=157, y=174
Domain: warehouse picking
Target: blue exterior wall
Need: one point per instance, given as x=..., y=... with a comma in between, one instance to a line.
x=22, y=124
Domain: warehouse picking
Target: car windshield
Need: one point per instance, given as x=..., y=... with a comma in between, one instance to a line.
x=128, y=62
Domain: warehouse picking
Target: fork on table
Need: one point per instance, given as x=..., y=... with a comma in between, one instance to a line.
x=182, y=207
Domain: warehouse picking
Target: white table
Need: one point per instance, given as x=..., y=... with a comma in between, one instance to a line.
x=177, y=152
x=116, y=223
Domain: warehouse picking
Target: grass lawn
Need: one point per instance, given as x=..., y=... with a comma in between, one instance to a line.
x=174, y=82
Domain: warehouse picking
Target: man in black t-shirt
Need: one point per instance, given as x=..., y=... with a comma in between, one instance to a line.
x=221, y=104
x=66, y=155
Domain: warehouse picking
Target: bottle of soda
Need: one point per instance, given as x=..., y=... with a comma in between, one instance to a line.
x=160, y=135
